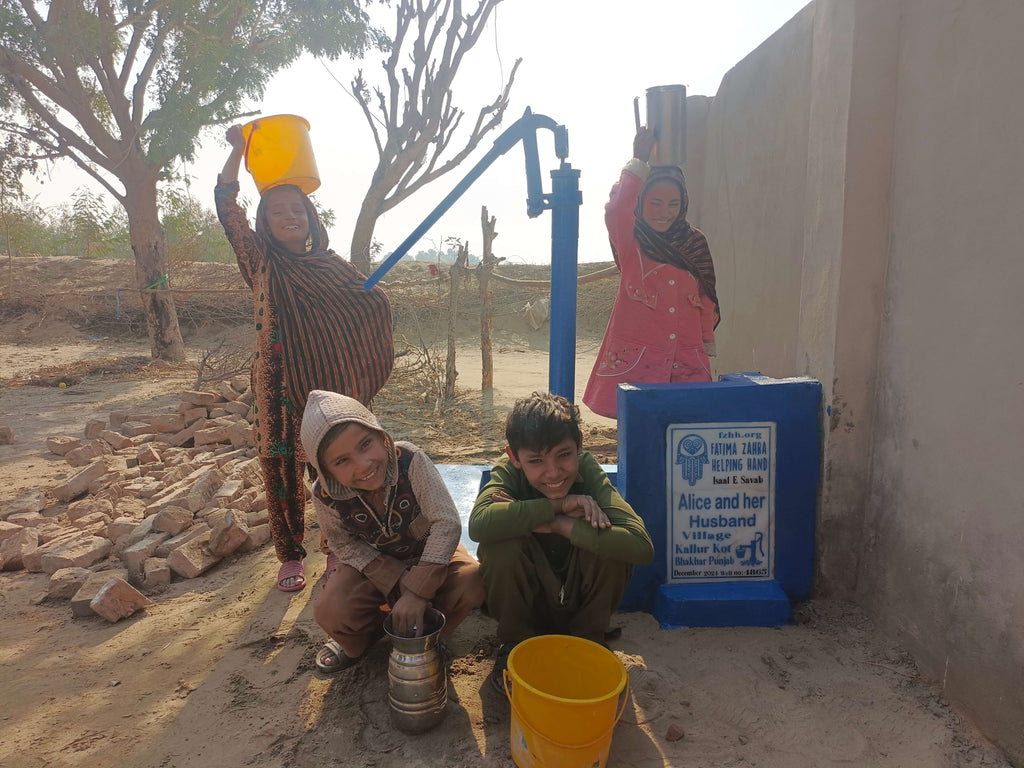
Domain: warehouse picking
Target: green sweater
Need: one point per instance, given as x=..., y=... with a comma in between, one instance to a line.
x=626, y=540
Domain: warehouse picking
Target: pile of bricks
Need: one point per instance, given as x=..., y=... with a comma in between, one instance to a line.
x=151, y=497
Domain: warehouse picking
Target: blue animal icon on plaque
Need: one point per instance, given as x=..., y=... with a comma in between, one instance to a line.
x=692, y=454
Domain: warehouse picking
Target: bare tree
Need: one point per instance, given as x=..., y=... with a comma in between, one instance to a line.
x=123, y=88
x=414, y=121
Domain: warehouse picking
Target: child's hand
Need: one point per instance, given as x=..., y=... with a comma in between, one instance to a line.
x=643, y=144
x=501, y=496
x=586, y=508
x=407, y=615
x=235, y=138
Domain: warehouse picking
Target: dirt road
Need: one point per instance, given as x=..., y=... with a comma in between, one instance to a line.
x=219, y=671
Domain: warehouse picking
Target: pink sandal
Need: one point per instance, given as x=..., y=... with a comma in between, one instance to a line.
x=292, y=569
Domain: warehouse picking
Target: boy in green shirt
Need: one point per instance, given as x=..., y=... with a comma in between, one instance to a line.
x=557, y=543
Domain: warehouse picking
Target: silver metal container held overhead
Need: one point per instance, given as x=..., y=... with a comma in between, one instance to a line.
x=417, y=677
x=666, y=116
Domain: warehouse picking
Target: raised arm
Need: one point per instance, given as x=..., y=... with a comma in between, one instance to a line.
x=231, y=214
x=619, y=212
x=229, y=173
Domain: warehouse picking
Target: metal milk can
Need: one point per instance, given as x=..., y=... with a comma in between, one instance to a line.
x=417, y=677
x=666, y=116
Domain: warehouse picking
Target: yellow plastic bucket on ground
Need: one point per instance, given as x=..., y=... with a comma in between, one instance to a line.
x=278, y=151
x=565, y=695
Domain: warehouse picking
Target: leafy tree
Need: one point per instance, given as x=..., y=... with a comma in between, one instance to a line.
x=88, y=227
x=12, y=195
x=124, y=87
x=26, y=229
x=193, y=231
x=414, y=122
x=327, y=215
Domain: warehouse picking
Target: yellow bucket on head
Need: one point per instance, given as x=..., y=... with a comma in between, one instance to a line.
x=565, y=696
x=278, y=151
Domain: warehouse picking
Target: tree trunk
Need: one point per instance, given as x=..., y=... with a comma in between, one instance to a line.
x=10, y=249
x=362, y=235
x=150, y=248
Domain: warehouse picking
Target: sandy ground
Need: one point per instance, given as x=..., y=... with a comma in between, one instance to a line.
x=219, y=671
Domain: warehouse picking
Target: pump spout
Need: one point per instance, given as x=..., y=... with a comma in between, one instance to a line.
x=525, y=130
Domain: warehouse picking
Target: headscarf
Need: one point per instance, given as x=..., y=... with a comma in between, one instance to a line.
x=681, y=245
x=335, y=335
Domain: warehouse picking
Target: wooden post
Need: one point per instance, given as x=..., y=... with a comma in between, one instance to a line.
x=455, y=274
x=487, y=263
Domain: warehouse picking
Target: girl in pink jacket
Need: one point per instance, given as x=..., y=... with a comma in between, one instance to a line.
x=662, y=327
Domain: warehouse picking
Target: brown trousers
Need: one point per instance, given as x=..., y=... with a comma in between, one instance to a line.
x=528, y=598
x=348, y=606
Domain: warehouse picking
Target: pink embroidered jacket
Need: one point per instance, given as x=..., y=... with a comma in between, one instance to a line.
x=661, y=319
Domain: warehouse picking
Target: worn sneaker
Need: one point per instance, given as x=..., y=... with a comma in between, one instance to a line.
x=497, y=675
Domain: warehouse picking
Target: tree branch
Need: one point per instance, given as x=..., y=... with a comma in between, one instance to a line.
x=483, y=125
x=362, y=94
x=418, y=117
x=156, y=50
x=27, y=80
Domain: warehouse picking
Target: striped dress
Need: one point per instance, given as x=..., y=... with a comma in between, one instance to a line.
x=316, y=328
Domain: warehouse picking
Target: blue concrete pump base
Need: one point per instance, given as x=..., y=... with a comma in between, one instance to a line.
x=723, y=604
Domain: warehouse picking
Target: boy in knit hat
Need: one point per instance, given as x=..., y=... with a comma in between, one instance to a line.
x=392, y=525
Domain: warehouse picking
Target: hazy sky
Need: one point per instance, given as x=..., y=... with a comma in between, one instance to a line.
x=583, y=63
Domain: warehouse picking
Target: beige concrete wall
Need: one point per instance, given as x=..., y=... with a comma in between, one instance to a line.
x=944, y=556
x=862, y=193
x=847, y=305
x=751, y=202
x=697, y=112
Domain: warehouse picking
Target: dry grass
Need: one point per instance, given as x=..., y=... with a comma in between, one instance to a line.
x=82, y=371
x=464, y=430
x=470, y=429
x=215, y=310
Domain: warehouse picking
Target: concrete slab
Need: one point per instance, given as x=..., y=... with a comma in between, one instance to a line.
x=463, y=482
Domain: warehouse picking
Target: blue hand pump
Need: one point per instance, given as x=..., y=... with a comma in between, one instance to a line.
x=564, y=201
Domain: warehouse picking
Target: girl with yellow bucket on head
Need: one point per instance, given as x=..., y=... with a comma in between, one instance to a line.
x=316, y=328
